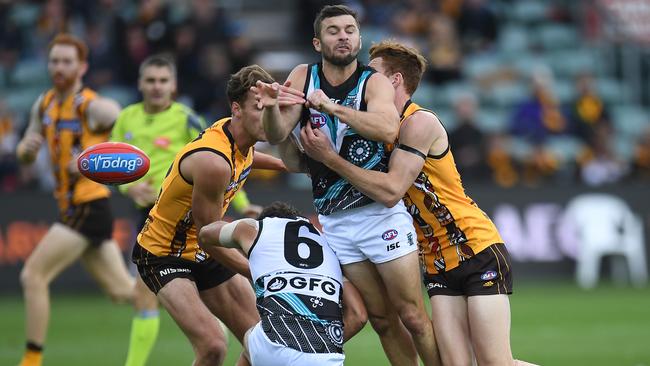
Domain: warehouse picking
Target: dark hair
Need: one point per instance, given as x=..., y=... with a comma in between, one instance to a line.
x=399, y=58
x=279, y=209
x=330, y=11
x=240, y=82
x=70, y=40
x=159, y=60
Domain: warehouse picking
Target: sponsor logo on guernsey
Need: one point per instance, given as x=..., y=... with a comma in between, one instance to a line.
x=389, y=234
x=489, y=275
x=488, y=284
x=298, y=283
x=107, y=163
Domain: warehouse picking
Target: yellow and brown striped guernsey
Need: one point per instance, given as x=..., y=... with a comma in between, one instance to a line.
x=169, y=229
x=66, y=130
x=451, y=227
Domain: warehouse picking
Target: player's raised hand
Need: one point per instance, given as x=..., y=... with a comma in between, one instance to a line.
x=316, y=144
x=320, y=101
x=268, y=95
x=289, y=96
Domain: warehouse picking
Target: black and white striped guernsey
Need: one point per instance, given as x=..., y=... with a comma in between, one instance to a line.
x=298, y=282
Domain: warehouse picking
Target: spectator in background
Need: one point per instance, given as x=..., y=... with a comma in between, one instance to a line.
x=588, y=110
x=411, y=21
x=8, y=140
x=444, y=53
x=11, y=39
x=214, y=70
x=467, y=140
x=186, y=49
x=478, y=26
x=534, y=120
x=539, y=165
x=101, y=56
x=503, y=169
x=51, y=21
x=599, y=163
x=641, y=158
x=538, y=116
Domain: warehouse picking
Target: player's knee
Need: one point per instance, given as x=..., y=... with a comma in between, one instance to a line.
x=213, y=351
x=121, y=295
x=30, y=278
x=415, y=320
x=355, y=319
x=381, y=323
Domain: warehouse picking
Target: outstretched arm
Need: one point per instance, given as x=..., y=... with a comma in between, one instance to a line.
x=266, y=161
x=236, y=234
x=418, y=135
x=102, y=113
x=282, y=104
x=380, y=122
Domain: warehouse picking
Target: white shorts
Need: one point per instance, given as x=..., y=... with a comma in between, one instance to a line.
x=374, y=232
x=263, y=352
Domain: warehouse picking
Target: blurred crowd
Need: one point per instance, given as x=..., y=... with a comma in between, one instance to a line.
x=537, y=136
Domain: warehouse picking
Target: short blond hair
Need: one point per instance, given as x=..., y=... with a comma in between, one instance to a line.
x=406, y=60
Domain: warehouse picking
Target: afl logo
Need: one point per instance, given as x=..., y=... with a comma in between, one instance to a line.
x=276, y=284
x=488, y=275
x=389, y=235
x=317, y=120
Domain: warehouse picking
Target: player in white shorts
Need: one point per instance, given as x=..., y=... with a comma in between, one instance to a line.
x=353, y=106
x=298, y=284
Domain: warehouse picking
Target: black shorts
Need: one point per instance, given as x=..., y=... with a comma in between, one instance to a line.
x=156, y=272
x=487, y=273
x=143, y=214
x=93, y=220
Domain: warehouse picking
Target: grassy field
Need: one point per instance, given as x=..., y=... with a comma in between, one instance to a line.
x=552, y=324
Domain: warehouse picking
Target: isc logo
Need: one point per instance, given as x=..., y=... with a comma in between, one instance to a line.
x=389, y=234
x=392, y=246
x=106, y=163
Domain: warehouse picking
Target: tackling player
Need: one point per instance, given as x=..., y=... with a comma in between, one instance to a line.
x=193, y=281
x=466, y=264
x=298, y=283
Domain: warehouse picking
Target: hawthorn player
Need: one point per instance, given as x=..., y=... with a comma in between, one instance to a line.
x=70, y=118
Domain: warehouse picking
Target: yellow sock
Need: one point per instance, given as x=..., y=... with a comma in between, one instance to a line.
x=144, y=331
x=32, y=358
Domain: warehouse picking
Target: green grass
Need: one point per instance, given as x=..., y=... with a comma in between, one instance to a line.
x=552, y=324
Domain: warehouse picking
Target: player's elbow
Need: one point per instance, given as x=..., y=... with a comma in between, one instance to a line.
x=208, y=237
x=390, y=197
x=390, y=134
x=275, y=138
